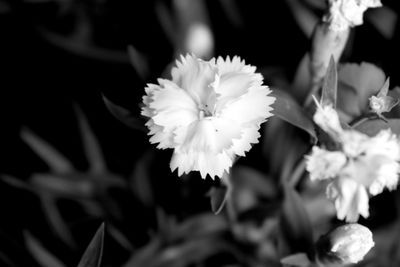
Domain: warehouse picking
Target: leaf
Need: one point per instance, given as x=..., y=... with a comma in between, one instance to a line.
x=56, y=161
x=55, y=220
x=94, y=252
x=90, y=144
x=298, y=259
x=295, y=222
x=140, y=179
x=384, y=19
x=302, y=79
x=138, y=62
x=329, y=87
x=42, y=255
x=218, y=196
x=286, y=108
x=385, y=88
x=249, y=178
x=125, y=116
x=366, y=79
x=372, y=127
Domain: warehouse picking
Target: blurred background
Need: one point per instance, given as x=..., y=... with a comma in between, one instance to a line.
x=67, y=164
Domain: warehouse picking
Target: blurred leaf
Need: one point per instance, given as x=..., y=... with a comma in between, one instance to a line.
x=232, y=12
x=218, y=197
x=141, y=181
x=302, y=79
x=286, y=108
x=295, y=222
x=55, y=219
x=124, y=115
x=374, y=126
x=166, y=21
x=94, y=252
x=249, y=178
x=298, y=259
x=366, y=79
x=71, y=186
x=15, y=182
x=139, y=62
x=384, y=19
x=304, y=16
x=43, y=256
x=200, y=225
x=119, y=237
x=90, y=144
x=56, y=161
x=329, y=87
x=145, y=254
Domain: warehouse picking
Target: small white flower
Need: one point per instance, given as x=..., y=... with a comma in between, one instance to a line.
x=362, y=165
x=209, y=112
x=350, y=199
x=327, y=119
x=324, y=164
x=350, y=242
x=348, y=13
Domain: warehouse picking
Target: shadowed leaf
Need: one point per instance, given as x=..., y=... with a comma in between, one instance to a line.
x=94, y=252
x=15, y=182
x=372, y=127
x=218, y=197
x=299, y=259
x=138, y=62
x=55, y=219
x=286, y=108
x=56, y=161
x=42, y=255
x=90, y=144
x=329, y=87
x=295, y=222
x=124, y=115
x=140, y=180
x=384, y=19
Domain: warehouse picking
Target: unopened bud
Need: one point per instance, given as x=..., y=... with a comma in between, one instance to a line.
x=346, y=244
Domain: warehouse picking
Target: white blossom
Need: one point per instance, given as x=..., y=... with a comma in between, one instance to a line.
x=351, y=242
x=208, y=113
x=348, y=13
x=361, y=167
x=324, y=164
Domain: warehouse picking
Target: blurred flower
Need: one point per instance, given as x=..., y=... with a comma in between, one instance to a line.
x=323, y=164
x=348, y=13
x=361, y=165
x=209, y=112
x=344, y=245
x=382, y=102
x=327, y=119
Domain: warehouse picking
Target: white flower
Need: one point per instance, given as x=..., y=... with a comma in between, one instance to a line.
x=348, y=13
x=363, y=165
x=350, y=242
x=324, y=164
x=209, y=112
x=350, y=199
x=327, y=119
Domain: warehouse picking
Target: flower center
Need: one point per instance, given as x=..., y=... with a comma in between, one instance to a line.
x=204, y=111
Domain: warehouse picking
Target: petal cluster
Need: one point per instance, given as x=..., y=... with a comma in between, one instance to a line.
x=363, y=166
x=348, y=13
x=209, y=112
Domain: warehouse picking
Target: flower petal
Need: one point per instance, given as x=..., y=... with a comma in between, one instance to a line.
x=195, y=76
x=250, y=109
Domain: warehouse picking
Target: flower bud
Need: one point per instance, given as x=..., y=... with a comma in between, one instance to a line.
x=346, y=244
